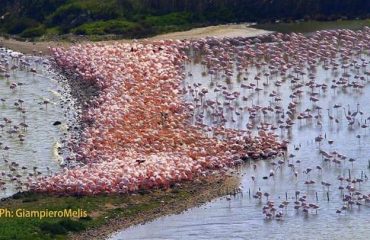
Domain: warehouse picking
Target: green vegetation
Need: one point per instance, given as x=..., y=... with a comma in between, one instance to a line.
x=140, y=18
x=105, y=212
x=33, y=32
x=119, y=27
x=99, y=209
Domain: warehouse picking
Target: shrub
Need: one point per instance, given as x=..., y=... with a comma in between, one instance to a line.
x=17, y=26
x=53, y=228
x=33, y=32
x=62, y=227
x=71, y=225
x=121, y=27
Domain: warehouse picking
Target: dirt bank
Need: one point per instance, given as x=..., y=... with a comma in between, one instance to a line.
x=28, y=47
x=192, y=194
x=230, y=30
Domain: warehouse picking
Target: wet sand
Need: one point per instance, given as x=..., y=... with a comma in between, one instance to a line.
x=27, y=47
x=230, y=30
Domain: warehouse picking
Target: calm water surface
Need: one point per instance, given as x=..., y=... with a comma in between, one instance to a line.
x=38, y=154
x=242, y=217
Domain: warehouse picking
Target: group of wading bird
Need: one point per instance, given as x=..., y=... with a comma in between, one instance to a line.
x=152, y=122
x=138, y=133
x=13, y=130
x=349, y=187
x=276, y=81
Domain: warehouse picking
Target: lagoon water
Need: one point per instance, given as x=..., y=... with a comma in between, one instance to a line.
x=38, y=154
x=242, y=217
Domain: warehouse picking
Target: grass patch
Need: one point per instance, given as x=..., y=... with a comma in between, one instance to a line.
x=100, y=210
x=119, y=27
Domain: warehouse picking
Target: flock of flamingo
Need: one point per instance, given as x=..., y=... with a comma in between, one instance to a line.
x=147, y=128
x=276, y=82
x=153, y=121
x=136, y=132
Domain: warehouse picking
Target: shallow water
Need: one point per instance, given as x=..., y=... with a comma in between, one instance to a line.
x=242, y=217
x=38, y=154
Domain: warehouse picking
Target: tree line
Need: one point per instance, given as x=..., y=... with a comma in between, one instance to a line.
x=136, y=18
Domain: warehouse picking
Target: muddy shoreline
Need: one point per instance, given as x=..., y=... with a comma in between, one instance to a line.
x=201, y=190
x=76, y=94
